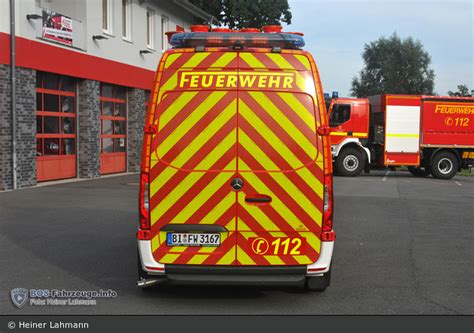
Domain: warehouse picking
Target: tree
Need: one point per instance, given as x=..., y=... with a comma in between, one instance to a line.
x=463, y=90
x=238, y=14
x=396, y=66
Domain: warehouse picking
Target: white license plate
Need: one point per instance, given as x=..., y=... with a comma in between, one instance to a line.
x=192, y=239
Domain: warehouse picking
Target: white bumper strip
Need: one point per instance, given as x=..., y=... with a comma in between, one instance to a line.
x=147, y=260
x=324, y=262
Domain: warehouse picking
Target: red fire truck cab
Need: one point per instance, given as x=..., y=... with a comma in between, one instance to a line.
x=429, y=134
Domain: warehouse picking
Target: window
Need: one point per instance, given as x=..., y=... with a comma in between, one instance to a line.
x=150, y=28
x=113, y=118
x=107, y=16
x=340, y=114
x=126, y=20
x=164, y=29
x=55, y=114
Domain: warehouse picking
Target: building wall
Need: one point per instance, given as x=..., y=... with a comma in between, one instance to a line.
x=136, y=119
x=89, y=129
x=113, y=60
x=25, y=129
x=88, y=13
x=5, y=129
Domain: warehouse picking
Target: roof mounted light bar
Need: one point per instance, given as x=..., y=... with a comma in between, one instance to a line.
x=243, y=39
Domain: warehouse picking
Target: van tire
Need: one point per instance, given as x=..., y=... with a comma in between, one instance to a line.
x=444, y=165
x=419, y=171
x=350, y=162
x=318, y=283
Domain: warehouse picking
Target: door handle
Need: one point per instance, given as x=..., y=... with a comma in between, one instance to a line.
x=258, y=199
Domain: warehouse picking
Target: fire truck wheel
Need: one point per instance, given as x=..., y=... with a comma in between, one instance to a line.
x=444, y=165
x=350, y=162
x=318, y=283
x=419, y=171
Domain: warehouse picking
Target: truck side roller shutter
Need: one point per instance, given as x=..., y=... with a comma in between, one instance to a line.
x=402, y=135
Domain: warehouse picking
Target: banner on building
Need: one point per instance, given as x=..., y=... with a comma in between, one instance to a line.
x=57, y=27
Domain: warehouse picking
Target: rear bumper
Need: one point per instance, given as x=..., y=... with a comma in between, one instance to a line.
x=241, y=275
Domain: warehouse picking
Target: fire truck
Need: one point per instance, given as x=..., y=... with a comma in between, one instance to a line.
x=428, y=134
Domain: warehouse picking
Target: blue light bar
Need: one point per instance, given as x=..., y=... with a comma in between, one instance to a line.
x=243, y=39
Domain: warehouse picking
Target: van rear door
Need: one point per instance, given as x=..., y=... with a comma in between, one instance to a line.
x=194, y=158
x=279, y=210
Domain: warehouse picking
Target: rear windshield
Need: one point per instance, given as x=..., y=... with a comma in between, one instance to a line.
x=223, y=105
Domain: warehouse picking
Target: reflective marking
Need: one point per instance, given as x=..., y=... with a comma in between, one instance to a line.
x=385, y=177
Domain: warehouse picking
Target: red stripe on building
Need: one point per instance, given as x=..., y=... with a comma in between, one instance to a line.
x=49, y=58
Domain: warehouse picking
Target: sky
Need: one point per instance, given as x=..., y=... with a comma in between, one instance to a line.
x=335, y=33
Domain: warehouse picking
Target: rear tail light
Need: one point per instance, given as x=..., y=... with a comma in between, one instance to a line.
x=328, y=208
x=144, y=201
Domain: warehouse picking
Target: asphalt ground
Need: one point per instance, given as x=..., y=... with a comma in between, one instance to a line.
x=404, y=246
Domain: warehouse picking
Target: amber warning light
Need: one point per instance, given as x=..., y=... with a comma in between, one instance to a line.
x=242, y=39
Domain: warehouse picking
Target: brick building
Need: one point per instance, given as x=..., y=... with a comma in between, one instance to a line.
x=82, y=71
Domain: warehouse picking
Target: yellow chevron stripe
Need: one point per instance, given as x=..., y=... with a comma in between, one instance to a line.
x=167, y=115
x=197, y=259
x=303, y=260
x=224, y=60
x=190, y=151
x=270, y=136
x=155, y=243
x=195, y=59
x=227, y=258
x=176, y=193
x=281, y=178
x=291, y=219
x=172, y=82
x=169, y=258
x=281, y=62
x=245, y=229
x=287, y=125
x=294, y=103
x=194, y=117
x=243, y=257
x=304, y=61
x=172, y=58
x=251, y=60
x=257, y=213
x=219, y=209
x=199, y=200
x=274, y=260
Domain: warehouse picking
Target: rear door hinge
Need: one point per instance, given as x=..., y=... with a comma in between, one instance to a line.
x=150, y=129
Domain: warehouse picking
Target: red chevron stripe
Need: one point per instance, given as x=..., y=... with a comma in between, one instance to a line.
x=269, y=150
x=178, y=63
x=202, y=123
x=286, y=198
x=295, y=62
x=197, y=100
x=193, y=161
x=225, y=247
x=194, y=190
x=276, y=219
x=259, y=260
x=210, y=204
x=293, y=176
x=261, y=113
x=291, y=114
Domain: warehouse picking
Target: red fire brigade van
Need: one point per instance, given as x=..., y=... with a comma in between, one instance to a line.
x=429, y=134
x=236, y=183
